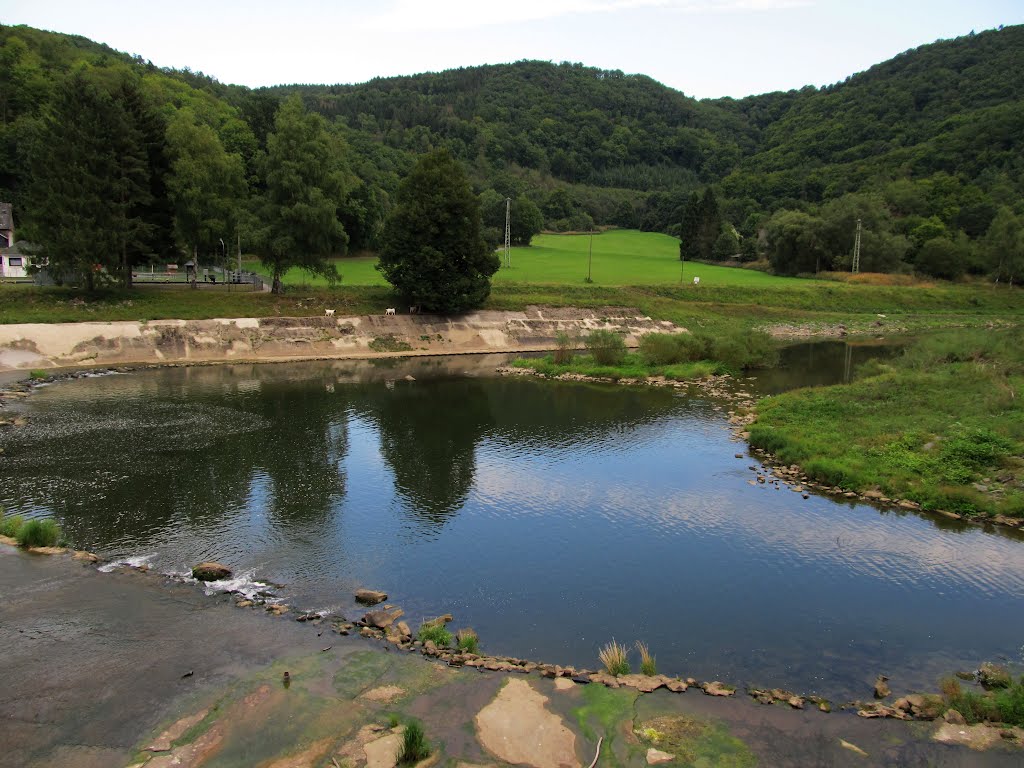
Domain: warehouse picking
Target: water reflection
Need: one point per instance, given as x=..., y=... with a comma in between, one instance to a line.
x=549, y=515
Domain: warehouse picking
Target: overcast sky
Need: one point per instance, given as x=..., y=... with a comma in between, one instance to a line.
x=705, y=48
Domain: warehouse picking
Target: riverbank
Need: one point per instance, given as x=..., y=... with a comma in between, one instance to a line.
x=940, y=427
x=55, y=345
x=215, y=693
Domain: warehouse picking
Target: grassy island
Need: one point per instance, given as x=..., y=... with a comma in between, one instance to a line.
x=674, y=356
x=943, y=425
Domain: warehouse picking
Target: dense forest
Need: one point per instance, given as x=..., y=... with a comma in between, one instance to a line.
x=926, y=150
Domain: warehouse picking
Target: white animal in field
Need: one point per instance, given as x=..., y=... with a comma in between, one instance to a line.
x=696, y=281
x=414, y=310
x=328, y=313
x=389, y=311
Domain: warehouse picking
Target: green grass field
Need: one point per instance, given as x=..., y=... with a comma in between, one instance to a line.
x=621, y=257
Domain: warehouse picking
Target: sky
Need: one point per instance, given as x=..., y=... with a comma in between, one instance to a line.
x=704, y=48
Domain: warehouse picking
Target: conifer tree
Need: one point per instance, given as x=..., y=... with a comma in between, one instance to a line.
x=434, y=253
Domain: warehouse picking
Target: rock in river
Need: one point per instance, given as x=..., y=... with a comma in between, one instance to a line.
x=211, y=572
x=370, y=596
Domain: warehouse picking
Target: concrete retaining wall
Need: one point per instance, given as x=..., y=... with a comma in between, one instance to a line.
x=40, y=345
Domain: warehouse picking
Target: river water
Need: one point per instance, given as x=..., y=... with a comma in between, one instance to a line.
x=551, y=517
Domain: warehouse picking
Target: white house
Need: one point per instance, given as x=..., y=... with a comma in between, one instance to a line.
x=13, y=264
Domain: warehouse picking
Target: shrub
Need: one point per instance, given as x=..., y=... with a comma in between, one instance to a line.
x=37, y=374
x=9, y=525
x=38, y=533
x=564, y=352
x=607, y=347
x=615, y=658
x=414, y=745
x=647, y=661
x=661, y=349
x=467, y=640
x=436, y=633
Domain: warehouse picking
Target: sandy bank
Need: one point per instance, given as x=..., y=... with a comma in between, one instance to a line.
x=248, y=339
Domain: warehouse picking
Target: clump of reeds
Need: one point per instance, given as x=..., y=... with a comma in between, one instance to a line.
x=648, y=664
x=615, y=658
x=414, y=745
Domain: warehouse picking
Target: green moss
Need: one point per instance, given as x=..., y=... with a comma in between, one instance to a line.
x=604, y=709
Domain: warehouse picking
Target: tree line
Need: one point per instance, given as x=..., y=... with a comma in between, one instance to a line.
x=924, y=149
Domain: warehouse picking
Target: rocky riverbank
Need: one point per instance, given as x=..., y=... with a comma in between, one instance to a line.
x=193, y=711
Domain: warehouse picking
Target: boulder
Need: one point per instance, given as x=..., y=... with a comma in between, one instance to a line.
x=993, y=676
x=674, y=684
x=440, y=621
x=404, y=629
x=370, y=596
x=642, y=683
x=211, y=572
x=718, y=689
x=384, y=618
x=954, y=718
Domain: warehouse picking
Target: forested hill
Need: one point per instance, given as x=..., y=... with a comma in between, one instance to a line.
x=928, y=146
x=955, y=106
x=576, y=123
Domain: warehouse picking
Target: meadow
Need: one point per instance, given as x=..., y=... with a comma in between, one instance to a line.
x=620, y=257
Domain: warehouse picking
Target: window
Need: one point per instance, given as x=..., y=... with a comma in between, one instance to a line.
x=14, y=261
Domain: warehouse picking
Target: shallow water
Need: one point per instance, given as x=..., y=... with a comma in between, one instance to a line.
x=549, y=516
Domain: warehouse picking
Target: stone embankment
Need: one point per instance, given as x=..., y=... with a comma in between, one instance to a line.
x=41, y=346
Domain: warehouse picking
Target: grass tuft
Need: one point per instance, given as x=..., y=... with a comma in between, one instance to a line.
x=467, y=640
x=615, y=658
x=9, y=526
x=414, y=745
x=648, y=664
x=437, y=633
x=38, y=533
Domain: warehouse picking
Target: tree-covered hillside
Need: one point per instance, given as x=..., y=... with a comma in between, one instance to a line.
x=927, y=150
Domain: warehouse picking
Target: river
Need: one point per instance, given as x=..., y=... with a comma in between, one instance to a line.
x=549, y=516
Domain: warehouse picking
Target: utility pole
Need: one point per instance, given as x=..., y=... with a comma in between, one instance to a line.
x=590, y=259
x=508, y=231
x=856, y=249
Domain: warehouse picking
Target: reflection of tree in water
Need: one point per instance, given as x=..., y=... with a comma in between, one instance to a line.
x=148, y=453
x=428, y=433
x=302, y=455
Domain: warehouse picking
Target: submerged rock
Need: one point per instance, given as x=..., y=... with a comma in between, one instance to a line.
x=882, y=687
x=993, y=676
x=370, y=596
x=656, y=757
x=211, y=571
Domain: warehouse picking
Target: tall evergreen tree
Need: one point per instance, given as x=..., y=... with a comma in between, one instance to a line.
x=434, y=253
x=155, y=209
x=689, y=232
x=89, y=172
x=710, y=225
x=307, y=182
